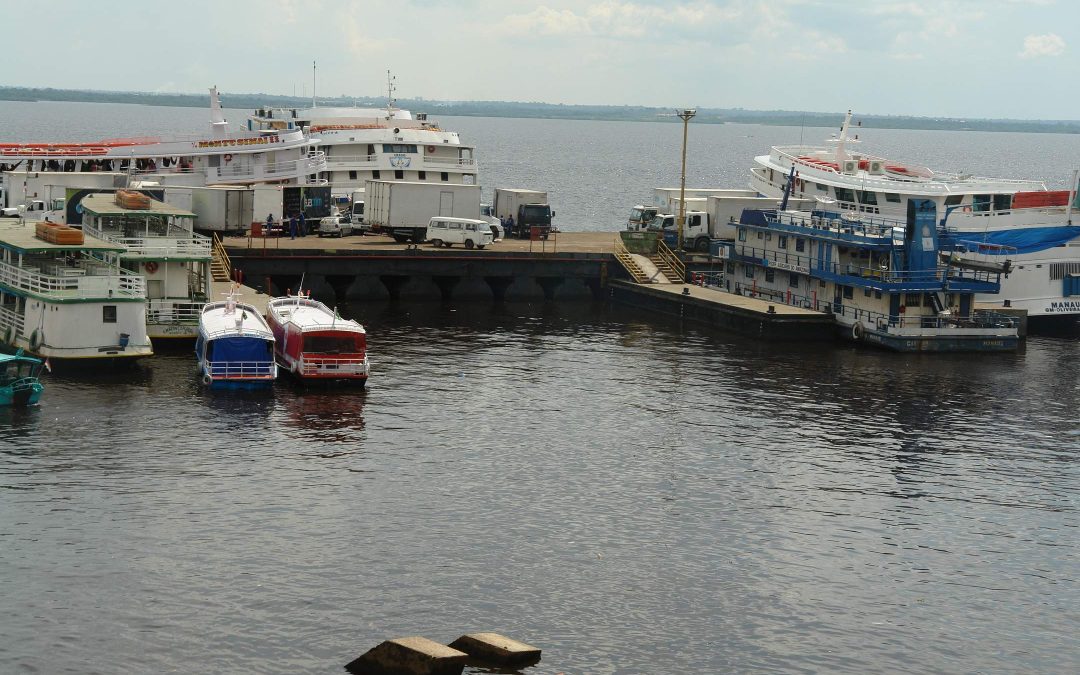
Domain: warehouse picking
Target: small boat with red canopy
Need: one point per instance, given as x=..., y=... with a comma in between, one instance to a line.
x=314, y=343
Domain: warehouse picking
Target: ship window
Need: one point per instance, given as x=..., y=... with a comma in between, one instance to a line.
x=866, y=292
x=793, y=280
x=399, y=174
x=912, y=299
x=849, y=292
x=867, y=197
x=892, y=197
x=748, y=271
x=953, y=200
x=770, y=274
x=845, y=195
x=821, y=284
x=375, y=174
x=981, y=203
x=108, y=314
x=800, y=245
x=371, y=149
x=352, y=175
x=822, y=188
x=330, y=344
x=760, y=235
x=444, y=176
x=398, y=148
x=1002, y=202
x=781, y=241
x=742, y=234
x=422, y=175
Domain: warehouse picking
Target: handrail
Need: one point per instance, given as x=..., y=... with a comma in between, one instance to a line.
x=623, y=256
x=241, y=369
x=85, y=286
x=220, y=254
x=669, y=257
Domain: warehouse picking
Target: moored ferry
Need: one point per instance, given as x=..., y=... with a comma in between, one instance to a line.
x=362, y=144
x=887, y=283
x=160, y=243
x=1045, y=275
x=64, y=296
x=314, y=343
x=235, y=347
x=221, y=156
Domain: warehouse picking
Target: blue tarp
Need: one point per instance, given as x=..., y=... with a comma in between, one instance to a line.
x=1009, y=242
x=240, y=349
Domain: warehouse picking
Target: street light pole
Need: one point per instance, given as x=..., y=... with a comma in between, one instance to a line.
x=685, y=116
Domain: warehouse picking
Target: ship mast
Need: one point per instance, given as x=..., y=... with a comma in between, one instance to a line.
x=390, y=89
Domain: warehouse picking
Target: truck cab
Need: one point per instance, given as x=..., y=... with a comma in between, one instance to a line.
x=696, y=233
x=640, y=217
x=533, y=215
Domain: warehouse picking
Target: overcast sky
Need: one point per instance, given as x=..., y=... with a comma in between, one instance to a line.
x=954, y=58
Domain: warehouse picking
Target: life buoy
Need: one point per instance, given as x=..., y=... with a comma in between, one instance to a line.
x=857, y=331
x=206, y=380
x=36, y=339
x=430, y=149
x=151, y=267
x=228, y=158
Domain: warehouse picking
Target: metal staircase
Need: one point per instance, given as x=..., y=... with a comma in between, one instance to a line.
x=220, y=265
x=628, y=263
x=668, y=263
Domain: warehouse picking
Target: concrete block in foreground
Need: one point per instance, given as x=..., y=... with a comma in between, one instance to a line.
x=496, y=649
x=409, y=656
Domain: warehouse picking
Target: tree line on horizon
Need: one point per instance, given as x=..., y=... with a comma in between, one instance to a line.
x=538, y=110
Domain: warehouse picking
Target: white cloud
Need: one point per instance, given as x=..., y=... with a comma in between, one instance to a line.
x=1042, y=45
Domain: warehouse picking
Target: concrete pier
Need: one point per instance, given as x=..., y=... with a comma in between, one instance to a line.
x=712, y=307
x=409, y=656
x=495, y=649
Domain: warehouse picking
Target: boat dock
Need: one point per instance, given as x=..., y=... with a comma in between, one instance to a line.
x=717, y=308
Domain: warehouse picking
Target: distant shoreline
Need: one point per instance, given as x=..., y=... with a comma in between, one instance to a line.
x=534, y=110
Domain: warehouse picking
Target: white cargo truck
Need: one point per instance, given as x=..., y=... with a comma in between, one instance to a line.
x=529, y=209
x=218, y=209
x=403, y=209
x=726, y=209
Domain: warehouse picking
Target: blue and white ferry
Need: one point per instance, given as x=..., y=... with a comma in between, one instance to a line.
x=887, y=282
x=235, y=346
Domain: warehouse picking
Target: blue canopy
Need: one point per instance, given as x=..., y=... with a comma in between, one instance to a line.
x=251, y=349
x=1009, y=242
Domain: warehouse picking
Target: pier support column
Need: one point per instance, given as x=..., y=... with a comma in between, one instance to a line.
x=394, y=283
x=446, y=286
x=498, y=286
x=283, y=283
x=595, y=287
x=340, y=283
x=550, y=285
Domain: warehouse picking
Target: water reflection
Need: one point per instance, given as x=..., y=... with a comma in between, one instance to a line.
x=328, y=413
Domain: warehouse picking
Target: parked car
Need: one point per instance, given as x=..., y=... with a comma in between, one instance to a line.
x=335, y=226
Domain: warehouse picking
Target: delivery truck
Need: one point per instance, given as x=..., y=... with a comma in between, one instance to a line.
x=403, y=209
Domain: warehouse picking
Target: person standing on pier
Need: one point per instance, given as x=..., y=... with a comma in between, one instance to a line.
x=510, y=225
x=292, y=226
x=269, y=225
x=303, y=224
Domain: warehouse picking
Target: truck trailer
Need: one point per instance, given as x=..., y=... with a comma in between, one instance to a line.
x=403, y=209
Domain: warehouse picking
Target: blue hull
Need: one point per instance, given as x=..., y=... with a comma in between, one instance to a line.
x=940, y=343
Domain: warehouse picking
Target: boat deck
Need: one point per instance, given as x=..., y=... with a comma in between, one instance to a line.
x=562, y=242
x=308, y=315
x=734, y=301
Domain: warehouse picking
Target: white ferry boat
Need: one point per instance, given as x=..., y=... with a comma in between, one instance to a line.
x=886, y=282
x=65, y=297
x=999, y=213
x=235, y=348
x=160, y=243
x=363, y=144
x=314, y=343
x=221, y=156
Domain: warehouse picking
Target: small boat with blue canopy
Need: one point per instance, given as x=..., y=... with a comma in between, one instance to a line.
x=19, y=384
x=235, y=347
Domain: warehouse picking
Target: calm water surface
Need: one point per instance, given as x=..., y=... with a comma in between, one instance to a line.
x=632, y=496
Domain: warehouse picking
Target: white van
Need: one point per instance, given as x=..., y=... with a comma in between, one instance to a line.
x=444, y=231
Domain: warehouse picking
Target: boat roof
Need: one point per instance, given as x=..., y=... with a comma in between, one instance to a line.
x=217, y=322
x=310, y=315
x=22, y=238
x=104, y=204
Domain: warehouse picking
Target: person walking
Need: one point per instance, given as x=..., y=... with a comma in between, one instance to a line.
x=292, y=226
x=303, y=225
x=510, y=225
x=269, y=232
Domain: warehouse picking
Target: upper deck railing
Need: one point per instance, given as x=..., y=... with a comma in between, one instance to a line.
x=185, y=245
x=85, y=281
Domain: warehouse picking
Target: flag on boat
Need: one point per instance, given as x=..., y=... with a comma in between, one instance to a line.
x=48, y=366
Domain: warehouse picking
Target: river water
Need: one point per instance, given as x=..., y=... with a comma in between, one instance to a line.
x=631, y=495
